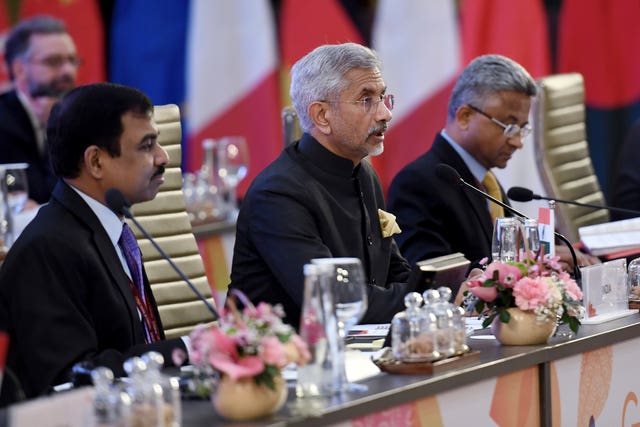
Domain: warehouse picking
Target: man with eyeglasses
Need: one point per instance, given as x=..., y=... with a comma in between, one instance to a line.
x=319, y=199
x=42, y=62
x=487, y=121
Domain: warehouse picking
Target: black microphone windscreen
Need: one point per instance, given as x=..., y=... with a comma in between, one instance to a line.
x=116, y=201
x=520, y=194
x=448, y=173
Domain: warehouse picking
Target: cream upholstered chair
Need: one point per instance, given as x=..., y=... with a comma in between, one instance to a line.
x=167, y=221
x=562, y=152
x=290, y=125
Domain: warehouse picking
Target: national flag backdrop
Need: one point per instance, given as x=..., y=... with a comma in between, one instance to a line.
x=148, y=47
x=598, y=39
x=232, y=79
x=594, y=37
x=418, y=43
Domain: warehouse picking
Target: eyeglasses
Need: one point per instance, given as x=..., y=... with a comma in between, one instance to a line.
x=57, y=61
x=370, y=104
x=511, y=130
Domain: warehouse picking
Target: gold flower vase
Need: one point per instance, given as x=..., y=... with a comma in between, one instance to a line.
x=523, y=328
x=243, y=399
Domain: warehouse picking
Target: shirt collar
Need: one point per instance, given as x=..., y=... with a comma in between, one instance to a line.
x=324, y=159
x=477, y=170
x=35, y=123
x=109, y=220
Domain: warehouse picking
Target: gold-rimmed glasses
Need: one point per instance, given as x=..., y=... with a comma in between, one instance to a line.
x=510, y=130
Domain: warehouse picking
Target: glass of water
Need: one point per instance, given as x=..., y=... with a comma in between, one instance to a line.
x=349, y=288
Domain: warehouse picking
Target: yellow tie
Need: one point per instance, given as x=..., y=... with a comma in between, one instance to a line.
x=491, y=184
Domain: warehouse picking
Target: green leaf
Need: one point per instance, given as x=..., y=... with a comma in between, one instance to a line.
x=267, y=377
x=504, y=315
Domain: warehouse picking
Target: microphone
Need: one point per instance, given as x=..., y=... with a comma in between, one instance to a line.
x=521, y=194
x=451, y=175
x=119, y=204
x=448, y=173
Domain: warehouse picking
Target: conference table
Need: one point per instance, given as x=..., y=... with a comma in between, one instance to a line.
x=591, y=376
x=590, y=379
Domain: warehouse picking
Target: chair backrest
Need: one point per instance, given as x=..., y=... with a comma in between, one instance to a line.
x=562, y=152
x=290, y=126
x=166, y=219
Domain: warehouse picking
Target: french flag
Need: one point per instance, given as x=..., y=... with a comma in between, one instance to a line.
x=419, y=45
x=232, y=80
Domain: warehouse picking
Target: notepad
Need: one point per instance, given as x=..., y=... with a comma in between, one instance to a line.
x=370, y=331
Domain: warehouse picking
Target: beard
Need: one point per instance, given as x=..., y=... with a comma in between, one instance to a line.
x=55, y=88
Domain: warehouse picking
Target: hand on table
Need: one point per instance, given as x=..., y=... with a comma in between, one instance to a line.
x=566, y=261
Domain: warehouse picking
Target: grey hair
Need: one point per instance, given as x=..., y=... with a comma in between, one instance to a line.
x=319, y=75
x=19, y=39
x=486, y=75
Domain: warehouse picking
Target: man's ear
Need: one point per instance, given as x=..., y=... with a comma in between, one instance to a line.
x=321, y=116
x=463, y=115
x=18, y=69
x=93, y=160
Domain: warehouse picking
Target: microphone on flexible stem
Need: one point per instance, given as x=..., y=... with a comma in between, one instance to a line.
x=451, y=175
x=119, y=204
x=521, y=194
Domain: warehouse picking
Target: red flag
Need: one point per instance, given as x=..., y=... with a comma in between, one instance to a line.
x=305, y=25
x=84, y=23
x=517, y=30
x=420, y=75
x=232, y=86
x=4, y=30
x=597, y=38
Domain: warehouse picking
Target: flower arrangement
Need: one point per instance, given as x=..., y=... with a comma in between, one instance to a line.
x=252, y=343
x=533, y=283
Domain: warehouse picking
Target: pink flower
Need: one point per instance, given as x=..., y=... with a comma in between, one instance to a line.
x=273, y=352
x=530, y=293
x=485, y=293
x=508, y=275
x=573, y=290
x=245, y=367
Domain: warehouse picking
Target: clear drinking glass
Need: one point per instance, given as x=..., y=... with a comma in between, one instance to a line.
x=233, y=165
x=16, y=185
x=531, y=235
x=348, y=285
x=633, y=279
x=504, y=244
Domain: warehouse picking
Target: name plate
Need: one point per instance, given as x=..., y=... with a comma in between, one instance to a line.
x=606, y=293
x=67, y=409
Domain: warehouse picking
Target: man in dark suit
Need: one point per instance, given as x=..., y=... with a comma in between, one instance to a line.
x=319, y=198
x=68, y=293
x=487, y=120
x=625, y=191
x=42, y=62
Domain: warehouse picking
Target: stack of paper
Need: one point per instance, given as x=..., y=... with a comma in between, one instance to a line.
x=611, y=237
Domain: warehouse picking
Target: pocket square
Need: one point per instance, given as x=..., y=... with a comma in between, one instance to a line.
x=388, y=223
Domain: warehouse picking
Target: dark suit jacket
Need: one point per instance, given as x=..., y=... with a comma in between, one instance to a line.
x=66, y=298
x=625, y=188
x=310, y=203
x=18, y=144
x=438, y=217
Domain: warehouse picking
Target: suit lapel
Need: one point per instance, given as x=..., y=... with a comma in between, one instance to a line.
x=477, y=203
x=77, y=207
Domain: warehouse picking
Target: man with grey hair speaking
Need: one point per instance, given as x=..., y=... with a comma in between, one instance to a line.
x=319, y=199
